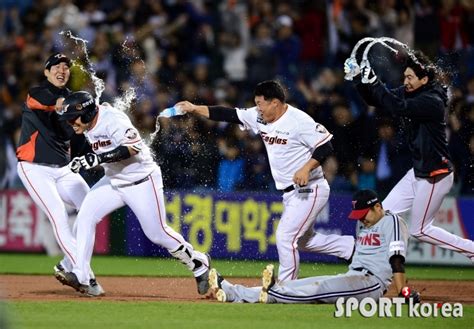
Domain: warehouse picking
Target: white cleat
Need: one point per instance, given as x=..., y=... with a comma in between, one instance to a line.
x=215, y=280
x=221, y=296
x=94, y=289
x=268, y=280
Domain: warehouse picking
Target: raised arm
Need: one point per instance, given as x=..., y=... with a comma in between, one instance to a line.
x=189, y=107
x=215, y=113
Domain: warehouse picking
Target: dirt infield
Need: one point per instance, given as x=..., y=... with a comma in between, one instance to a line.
x=40, y=287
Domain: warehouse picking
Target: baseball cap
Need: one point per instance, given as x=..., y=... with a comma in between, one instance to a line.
x=362, y=201
x=55, y=59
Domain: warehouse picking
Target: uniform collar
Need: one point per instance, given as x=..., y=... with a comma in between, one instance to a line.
x=61, y=91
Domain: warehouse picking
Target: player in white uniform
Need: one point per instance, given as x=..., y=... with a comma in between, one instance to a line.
x=296, y=147
x=379, y=255
x=421, y=104
x=131, y=178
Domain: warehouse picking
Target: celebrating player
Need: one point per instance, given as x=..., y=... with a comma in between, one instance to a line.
x=296, y=147
x=131, y=178
x=379, y=255
x=43, y=154
x=421, y=104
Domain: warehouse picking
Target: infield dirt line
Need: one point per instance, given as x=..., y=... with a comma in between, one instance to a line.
x=43, y=287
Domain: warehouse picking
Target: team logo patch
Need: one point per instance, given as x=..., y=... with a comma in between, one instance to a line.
x=131, y=133
x=321, y=129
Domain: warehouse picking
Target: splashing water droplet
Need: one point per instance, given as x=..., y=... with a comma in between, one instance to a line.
x=99, y=85
x=123, y=102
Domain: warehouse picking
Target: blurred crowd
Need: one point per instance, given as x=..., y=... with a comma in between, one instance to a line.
x=215, y=52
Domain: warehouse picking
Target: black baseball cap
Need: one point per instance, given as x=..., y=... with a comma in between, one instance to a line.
x=362, y=201
x=55, y=59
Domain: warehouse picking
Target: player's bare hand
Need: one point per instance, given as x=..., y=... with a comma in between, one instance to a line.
x=186, y=107
x=59, y=105
x=301, y=176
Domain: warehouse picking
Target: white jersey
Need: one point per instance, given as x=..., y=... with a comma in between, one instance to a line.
x=112, y=129
x=290, y=141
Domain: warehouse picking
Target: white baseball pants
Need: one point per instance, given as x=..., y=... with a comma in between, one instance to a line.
x=295, y=230
x=424, y=197
x=146, y=200
x=50, y=188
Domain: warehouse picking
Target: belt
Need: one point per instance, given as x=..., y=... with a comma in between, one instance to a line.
x=361, y=269
x=288, y=189
x=292, y=187
x=134, y=183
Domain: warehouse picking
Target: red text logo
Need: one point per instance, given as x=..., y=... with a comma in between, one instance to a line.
x=98, y=144
x=372, y=239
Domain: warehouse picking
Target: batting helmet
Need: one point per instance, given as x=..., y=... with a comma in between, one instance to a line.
x=78, y=104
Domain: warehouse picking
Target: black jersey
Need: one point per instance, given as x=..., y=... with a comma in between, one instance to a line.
x=43, y=138
x=423, y=114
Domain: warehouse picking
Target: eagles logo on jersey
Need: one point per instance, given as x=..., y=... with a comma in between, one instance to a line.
x=321, y=129
x=131, y=133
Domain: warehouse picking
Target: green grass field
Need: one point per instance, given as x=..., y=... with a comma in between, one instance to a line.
x=99, y=314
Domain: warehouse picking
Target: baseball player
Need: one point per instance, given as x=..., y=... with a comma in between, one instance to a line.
x=131, y=178
x=43, y=155
x=296, y=147
x=421, y=104
x=379, y=256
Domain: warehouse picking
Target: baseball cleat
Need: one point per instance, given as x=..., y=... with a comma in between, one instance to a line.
x=202, y=280
x=70, y=279
x=58, y=268
x=268, y=280
x=215, y=284
x=95, y=289
x=221, y=296
x=58, y=271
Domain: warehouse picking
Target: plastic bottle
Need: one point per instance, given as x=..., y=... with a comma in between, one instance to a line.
x=171, y=112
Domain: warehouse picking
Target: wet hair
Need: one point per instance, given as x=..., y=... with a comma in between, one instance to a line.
x=422, y=66
x=270, y=89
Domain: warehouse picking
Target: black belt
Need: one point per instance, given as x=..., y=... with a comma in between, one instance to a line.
x=292, y=187
x=288, y=189
x=134, y=183
x=361, y=269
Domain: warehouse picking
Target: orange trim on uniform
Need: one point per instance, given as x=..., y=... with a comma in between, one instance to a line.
x=324, y=140
x=26, y=152
x=34, y=104
x=439, y=172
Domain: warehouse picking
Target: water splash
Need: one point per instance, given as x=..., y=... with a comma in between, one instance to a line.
x=155, y=133
x=99, y=85
x=123, y=103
